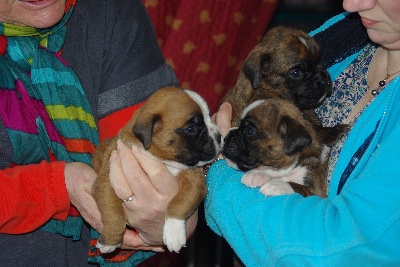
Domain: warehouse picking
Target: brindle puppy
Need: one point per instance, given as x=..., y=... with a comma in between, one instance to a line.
x=278, y=149
x=286, y=64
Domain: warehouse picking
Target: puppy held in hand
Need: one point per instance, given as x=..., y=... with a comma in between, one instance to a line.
x=286, y=64
x=278, y=149
x=174, y=127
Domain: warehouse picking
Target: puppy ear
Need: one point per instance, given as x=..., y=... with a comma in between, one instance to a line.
x=330, y=135
x=309, y=43
x=294, y=134
x=143, y=129
x=252, y=68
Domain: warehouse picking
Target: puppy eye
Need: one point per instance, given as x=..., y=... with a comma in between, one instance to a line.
x=191, y=129
x=296, y=73
x=249, y=131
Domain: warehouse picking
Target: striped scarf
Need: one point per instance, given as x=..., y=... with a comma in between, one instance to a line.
x=43, y=105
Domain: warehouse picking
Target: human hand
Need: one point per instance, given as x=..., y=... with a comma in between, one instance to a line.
x=151, y=186
x=223, y=118
x=79, y=179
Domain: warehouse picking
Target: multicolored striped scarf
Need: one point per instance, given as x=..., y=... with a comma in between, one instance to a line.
x=47, y=115
x=43, y=105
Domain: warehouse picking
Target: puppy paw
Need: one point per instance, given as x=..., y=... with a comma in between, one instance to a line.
x=174, y=234
x=255, y=178
x=106, y=248
x=276, y=188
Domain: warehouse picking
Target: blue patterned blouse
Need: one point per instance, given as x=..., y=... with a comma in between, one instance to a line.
x=348, y=89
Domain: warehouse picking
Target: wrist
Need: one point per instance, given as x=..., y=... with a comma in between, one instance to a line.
x=59, y=190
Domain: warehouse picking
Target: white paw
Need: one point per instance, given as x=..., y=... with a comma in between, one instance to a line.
x=174, y=234
x=255, y=178
x=106, y=249
x=276, y=188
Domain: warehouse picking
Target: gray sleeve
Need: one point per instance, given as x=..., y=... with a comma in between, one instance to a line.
x=111, y=45
x=6, y=149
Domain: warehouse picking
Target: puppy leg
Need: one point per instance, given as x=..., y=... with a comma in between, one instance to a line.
x=303, y=190
x=192, y=190
x=112, y=215
x=276, y=188
x=255, y=178
x=292, y=183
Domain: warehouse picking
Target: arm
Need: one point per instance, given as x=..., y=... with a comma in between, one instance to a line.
x=31, y=195
x=361, y=224
x=112, y=48
x=124, y=67
x=283, y=230
x=133, y=68
x=35, y=193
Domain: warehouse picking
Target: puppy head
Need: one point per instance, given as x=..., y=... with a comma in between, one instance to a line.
x=271, y=133
x=287, y=64
x=174, y=126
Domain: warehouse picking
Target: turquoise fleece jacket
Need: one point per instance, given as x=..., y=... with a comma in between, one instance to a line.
x=358, y=226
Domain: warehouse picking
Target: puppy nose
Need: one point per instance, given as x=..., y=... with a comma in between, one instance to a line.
x=218, y=138
x=325, y=80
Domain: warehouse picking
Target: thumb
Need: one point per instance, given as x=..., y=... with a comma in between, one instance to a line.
x=132, y=240
x=223, y=118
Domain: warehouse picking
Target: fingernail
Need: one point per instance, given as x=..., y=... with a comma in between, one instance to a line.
x=224, y=105
x=160, y=249
x=120, y=145
x=114, y=155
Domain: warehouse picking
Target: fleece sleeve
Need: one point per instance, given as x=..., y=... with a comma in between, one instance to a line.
x=358, y=227
x=361, y=227
x=31, y=195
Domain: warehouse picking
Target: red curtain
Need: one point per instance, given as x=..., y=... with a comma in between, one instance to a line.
x=207, y=41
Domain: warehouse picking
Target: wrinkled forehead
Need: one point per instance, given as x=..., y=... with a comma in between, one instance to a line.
x=262, y=112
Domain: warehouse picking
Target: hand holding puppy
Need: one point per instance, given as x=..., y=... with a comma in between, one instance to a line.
x=152, y=186
x=179, y=136
x=79, y=179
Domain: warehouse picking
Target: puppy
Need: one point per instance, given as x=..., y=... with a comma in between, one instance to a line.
x=174, y=127
x=278, y=149
x=286, y=64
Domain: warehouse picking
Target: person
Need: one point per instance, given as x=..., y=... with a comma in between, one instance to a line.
x=358, y=224
x=71, y=74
